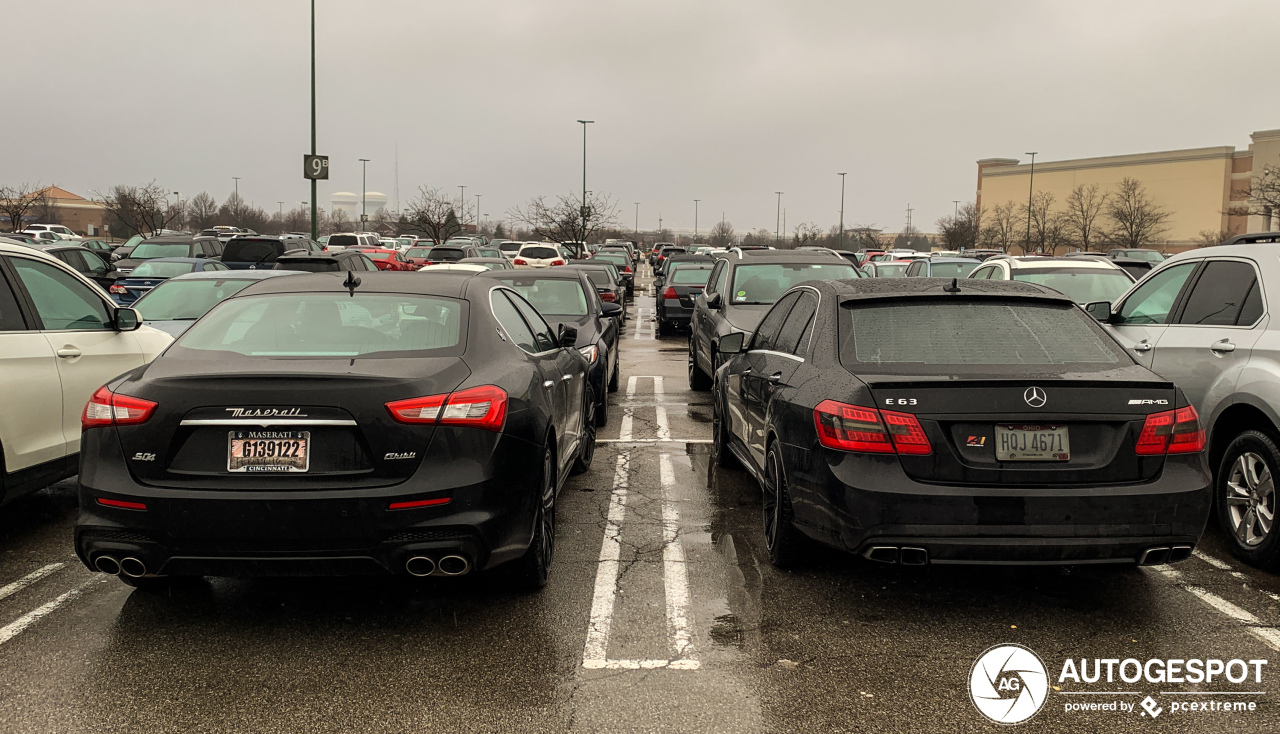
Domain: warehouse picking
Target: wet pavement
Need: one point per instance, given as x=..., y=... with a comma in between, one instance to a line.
x=663, y=614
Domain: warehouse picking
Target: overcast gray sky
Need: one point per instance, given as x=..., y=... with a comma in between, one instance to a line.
x=726, y=101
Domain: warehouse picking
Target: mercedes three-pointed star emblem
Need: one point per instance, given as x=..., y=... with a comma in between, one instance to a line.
x=1035, y=397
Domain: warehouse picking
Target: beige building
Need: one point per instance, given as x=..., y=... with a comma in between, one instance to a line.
x=1197, y=186
x=82, y=215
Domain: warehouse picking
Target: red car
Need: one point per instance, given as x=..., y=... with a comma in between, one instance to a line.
x=419, y=255
x=388, y=259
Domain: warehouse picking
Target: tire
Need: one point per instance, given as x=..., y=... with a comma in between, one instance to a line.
x=1246, y=499
x=587, y=447
x=698, y=380
x=600, y=411
x=664, y=328
x=533, y=569
x=724, y=458
x=616, y=376
x=784, y=543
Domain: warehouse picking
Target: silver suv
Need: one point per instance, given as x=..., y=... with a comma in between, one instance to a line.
x=1201, y=320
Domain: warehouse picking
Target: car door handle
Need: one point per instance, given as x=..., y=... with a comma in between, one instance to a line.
x=775, y=377
x=548, y=384
x=566, y=377
x=68, y=352
x=1223, y=345
x=1142, y=347
x=747, y=371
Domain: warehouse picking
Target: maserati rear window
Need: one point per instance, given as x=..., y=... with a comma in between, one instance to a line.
x=330, y=325
x=934, y=332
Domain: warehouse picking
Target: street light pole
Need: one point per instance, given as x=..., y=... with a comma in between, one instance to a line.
x=637, y=217
x=841, y=175
x=237, y=180
x=1031, y=187
x=777, y=234
x=695, y=219
x=315, y=232
x=584, y=177
x=478, y=213
x=281, y=203
x=364, y=190
x=462, y=204
x=956, y=215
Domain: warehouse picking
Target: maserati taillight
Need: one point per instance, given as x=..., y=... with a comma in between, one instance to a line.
x=478, y=407
x=106, y=408
x=670, y=294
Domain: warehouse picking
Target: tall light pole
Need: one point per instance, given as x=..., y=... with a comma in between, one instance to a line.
x=695, y=219
x=637, y=217
x=1031, y=187
x=281, y=203
x=478, y=213
x=462, y=204
x=841, y=175
x=956, y=215
x=237, y=180
x=777, y=235
x=315, y=232
x=364, y=190
x=584, y=176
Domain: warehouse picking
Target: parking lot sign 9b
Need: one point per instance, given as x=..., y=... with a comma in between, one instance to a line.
x=315, y=167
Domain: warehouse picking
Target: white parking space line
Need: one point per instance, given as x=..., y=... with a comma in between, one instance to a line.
x=675, y=569
x=631, y=387
x=19, y=625
x=624, y=433
x=664, y=430
x=1255, y=626
x=595, y=651
x=644, y=323
x=1220, y=565
x=22, y=583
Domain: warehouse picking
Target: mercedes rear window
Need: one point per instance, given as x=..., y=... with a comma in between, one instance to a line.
x=331, y=325
x=551, y=296
x=764, y=284
x=252, y=251
x=932, y=332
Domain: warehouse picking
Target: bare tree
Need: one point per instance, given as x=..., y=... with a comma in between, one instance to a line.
x=1135, y=220
x=567, y=219
x=202, y=211
x=1048, y=229
x=1000, y=227
x=431, y=214
x=806, y=233
x=143, y=210
x=45, y=210
x=960, y=231
x=1263, y=194
x=1080, y=218
x=18, y=201
x=862, y=237
x=722, y=234
x=1210, y=238
x=760, y=236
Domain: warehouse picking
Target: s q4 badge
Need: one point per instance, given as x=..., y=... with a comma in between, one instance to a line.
x=140, y=456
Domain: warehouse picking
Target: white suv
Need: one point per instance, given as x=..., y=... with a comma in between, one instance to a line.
x=61, y=338
x=538, y=255
x=1084, y=280
x=55, y=228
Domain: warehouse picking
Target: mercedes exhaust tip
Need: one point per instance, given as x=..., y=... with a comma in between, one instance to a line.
x=107, y=565
x=420, y=566
x=133, y=568
x=454, y=565
x=913, y=557
x=881, y=554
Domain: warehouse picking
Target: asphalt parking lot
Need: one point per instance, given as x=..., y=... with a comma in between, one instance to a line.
x=663, y=614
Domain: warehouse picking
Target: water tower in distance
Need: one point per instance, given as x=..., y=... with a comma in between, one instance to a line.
x=347, y=203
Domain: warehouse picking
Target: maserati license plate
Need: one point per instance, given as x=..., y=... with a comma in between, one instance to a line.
x=268, y=451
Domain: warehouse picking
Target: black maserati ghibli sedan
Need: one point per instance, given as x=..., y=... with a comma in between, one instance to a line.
x=390, y=423
x=925, y=421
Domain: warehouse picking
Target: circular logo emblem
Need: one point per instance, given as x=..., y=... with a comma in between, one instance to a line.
x=1008, y=684
x=1035, y=397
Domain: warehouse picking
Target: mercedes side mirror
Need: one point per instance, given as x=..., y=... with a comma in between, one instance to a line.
x=611, y=309
x=713, y=300
x=127, y=319
x=567, y=335
x=1100, y=310
x=731, y=343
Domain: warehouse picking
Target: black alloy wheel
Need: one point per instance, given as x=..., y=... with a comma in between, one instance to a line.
x=587, y=447
x=616, y=375
x=1246, y=497
x=533, y=569
x=783, y=541
x=599, y=410
x=724, y=458
x=698, y=380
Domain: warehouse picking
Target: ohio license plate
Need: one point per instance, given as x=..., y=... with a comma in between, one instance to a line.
x=1032, y=443
x=268, y=451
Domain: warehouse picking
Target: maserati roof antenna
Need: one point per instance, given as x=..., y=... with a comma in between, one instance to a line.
x=953, y=288
x=351, y=283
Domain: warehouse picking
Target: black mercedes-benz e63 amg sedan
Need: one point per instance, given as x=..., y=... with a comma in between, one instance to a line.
x=396, y=423
x=923, y=421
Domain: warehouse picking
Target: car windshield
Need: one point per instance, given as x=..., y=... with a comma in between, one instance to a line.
x=619, y=260
x=1147, y=255
x=1083, y=285
x=252, y=251
x=330, y=325
x=552, y=296
x=378, y=255
x=447, y=254
x=344, y=240
x=600, y=278
x=161, y=270
x=764, y=284
x=690, y=275
x=933, y=332
x=418, y=252
x=187, y=300
x=951, y=270
x=148, y=250
x=509, y=247
x=540, y=253
x=308, y=266
x=891, y=270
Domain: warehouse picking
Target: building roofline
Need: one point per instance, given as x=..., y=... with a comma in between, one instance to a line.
x=1167, y=156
